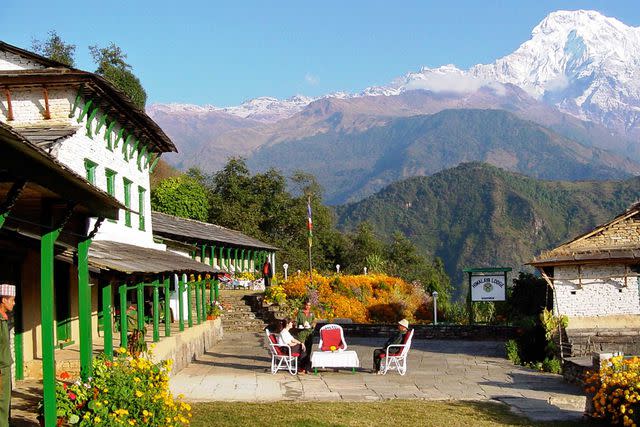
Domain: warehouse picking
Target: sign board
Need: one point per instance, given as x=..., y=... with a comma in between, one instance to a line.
x=488, y=288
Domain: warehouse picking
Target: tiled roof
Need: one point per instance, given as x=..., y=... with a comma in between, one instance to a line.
x=182, y=229
x=130, y=259
x=43, y=136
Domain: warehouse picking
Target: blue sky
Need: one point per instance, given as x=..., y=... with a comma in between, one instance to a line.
x=222, y=53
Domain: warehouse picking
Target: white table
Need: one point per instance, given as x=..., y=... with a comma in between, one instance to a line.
x=334, y=359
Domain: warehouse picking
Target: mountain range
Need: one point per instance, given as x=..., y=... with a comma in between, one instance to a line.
x=578, y=76
x=477, y=215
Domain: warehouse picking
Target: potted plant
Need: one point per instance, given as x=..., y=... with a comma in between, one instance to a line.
x=214, y=310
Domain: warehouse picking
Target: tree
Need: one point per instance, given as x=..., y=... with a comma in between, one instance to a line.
x=55, y=49
x=181, y=196
x=112, y=65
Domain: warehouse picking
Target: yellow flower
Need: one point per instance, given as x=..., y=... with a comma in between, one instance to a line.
x=122, y=350
x=139, y=393
x=97, y=419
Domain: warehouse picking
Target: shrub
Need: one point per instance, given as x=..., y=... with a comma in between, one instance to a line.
x=616, y=395
x=552, y=365
x=513, y=352
x=275, y=294
x=123, y=392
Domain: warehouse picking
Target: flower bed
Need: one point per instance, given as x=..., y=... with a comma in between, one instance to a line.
x=374, y=298
x=127, y=391
x=615, y=391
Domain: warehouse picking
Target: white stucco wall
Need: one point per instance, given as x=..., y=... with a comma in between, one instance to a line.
x=28, y=107
x=10, y=61
x=603, y=291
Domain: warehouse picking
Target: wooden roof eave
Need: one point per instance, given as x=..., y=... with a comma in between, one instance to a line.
x=112, y=100
x=22, y=159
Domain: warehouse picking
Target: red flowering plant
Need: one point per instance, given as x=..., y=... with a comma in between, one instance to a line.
x=67, y=401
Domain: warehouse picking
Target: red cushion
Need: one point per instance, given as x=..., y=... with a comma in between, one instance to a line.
x=406, y=337
x=331, y=337
x=295, y=354
x=279, y=351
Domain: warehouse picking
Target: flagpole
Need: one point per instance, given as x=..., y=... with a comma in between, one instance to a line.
x=310, y=228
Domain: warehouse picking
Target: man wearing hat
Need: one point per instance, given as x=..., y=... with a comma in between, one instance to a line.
x=7, y=301
x=397, y=338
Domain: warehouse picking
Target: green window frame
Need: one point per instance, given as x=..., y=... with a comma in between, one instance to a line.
x=127, y=201
x=141, y=193
x=111, y=184
x=90, y=169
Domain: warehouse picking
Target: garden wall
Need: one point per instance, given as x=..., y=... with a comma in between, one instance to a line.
x=441, y=332
x=583, y=342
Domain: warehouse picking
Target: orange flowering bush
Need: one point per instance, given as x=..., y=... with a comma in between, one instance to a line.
x=616, y=391
x=364, y=299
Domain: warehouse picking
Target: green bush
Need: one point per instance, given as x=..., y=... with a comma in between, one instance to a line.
x=552, y=365
x=512, y=350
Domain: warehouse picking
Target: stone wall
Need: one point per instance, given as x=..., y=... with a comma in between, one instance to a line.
x=440, y=332
x=622, y=234
x=601, y=291
x=11, y=61
x=185, y=346
x=583, y=342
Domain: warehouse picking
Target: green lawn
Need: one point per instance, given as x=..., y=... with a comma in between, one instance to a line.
x=387, y=413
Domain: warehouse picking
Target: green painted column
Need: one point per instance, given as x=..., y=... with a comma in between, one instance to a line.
x=156, y=312
x=189, y=302
x=213, y=256
x=167, y=308
x=203, y=298
x=122, y=290
x=107, y=321
x=18, y=339
x=46, y=309
x=216, y=289
x=181, y=305
x=84, y=310
x=242, y=261
x=140, y=305
x=235, y=260
x=198, y=303
x=203, y=253
x=221, y=258
x=228, y=259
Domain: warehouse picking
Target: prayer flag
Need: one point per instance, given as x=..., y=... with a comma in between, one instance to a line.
x=309, y=222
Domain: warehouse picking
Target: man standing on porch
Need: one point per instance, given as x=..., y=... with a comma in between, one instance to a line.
x=7, y=301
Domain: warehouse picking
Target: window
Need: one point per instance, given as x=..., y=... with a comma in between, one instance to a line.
x=141, y=193
x=127, y=201
x=111, y=184
x=90, y=168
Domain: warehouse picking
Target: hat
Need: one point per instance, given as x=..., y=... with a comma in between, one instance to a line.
x=7, y=290
x=404, y=322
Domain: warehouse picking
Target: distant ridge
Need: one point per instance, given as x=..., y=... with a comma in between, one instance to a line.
x=477, y=215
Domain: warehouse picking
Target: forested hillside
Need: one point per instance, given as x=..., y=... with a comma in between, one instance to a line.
x=478, y=215
x=353, y=165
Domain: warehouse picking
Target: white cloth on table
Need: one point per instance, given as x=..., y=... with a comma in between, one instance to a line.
x=335, y=359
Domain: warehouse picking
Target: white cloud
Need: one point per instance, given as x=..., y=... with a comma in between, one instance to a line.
x=311, y=79
x=557, y=84
x=457, y=82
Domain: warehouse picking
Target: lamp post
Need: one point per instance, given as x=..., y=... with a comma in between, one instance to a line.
x=285, y=266
x=365, y=271
x=435, y=307
x=338, y=268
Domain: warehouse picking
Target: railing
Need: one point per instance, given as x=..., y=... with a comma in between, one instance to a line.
x=192, y=288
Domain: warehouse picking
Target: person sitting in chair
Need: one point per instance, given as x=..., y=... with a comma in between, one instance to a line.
x=397, y=338
x=285, y=338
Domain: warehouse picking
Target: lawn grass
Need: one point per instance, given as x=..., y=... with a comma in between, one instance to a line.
x=392, y=413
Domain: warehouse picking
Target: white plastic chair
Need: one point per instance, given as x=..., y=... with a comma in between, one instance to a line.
x=331, y=329
x=281, y=356
x=396, y=356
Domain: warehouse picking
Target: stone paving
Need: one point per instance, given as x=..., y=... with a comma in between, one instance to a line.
x=238, y=369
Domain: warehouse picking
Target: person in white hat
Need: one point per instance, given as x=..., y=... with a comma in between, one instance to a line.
x=397, y=338
x=7, y=301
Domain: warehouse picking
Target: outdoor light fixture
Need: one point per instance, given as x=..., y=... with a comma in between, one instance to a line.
x=285, y=266
x=435, y=307
x=365, y=271
x=338, y=268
